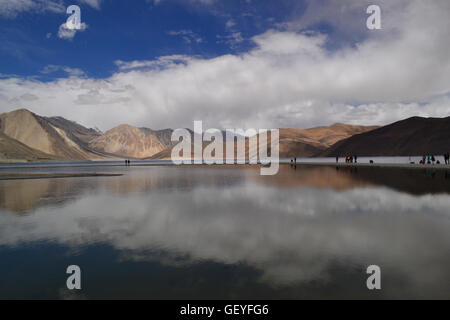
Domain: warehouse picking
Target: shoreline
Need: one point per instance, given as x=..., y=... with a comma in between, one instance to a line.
x=378, y=165
x=300, y=163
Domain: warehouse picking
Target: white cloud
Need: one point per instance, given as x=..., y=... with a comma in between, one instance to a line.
x=188, y=36
x=10, y=8
x=28, y=97
x=74, y=72
x=93, y=3
x=289, y=79
x=68, y=34
x=233, y=39
x=160, y=63
x=230, y=24
x=233, y=36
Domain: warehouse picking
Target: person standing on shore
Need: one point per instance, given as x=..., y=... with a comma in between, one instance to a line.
x=337, y=159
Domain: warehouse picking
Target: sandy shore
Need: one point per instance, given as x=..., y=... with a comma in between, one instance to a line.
x=40, y=175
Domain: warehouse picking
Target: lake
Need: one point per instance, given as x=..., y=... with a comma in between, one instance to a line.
x=225, y=232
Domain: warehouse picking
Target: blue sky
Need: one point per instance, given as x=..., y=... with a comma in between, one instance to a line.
x=137, y=30
x=230, y=63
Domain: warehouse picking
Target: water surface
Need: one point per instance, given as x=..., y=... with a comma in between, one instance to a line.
x=226, y=233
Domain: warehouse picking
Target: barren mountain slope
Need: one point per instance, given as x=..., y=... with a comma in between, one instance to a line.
x=127, y=141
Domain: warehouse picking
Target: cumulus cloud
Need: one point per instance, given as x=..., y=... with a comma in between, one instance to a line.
x=29, y=97
x=289, y=79
x=67, y=33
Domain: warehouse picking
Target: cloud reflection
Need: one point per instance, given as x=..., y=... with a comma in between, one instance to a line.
x=291, y=235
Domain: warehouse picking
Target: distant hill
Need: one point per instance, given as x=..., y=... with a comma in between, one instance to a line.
x=411, y=137
x=327, y=136
x=299, y=142
x=310, y=142
x=128, y=141
x=55, y=136
x=11, y=149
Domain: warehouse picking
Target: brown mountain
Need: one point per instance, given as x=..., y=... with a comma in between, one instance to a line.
x=310, y=142
x=164, y=136
x=128, y=141
x=81, y=135
x=299, y=142
x=413, y=136
x=54, y=136
x=327, y=136
x=11, y=149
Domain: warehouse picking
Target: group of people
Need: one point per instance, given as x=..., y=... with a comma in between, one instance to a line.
x=428, y=160
x=127, y=162
x=348, y=159
x=431, y=159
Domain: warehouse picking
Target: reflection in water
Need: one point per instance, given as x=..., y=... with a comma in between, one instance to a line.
x=296, y=230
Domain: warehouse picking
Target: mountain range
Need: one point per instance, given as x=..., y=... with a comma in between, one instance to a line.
x=25, y=135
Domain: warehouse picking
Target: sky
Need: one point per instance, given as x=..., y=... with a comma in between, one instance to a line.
x=230, y=63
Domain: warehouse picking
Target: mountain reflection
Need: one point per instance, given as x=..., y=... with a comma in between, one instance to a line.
x=292, y=227
x=22, y=196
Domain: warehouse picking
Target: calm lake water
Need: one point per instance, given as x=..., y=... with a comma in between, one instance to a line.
x=227, y=233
